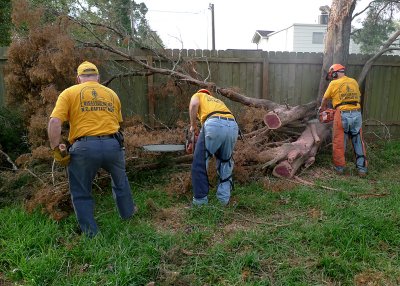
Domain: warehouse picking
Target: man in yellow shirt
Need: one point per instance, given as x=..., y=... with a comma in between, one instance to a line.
x=218, y=136
x=94, y=114
x=345, y=95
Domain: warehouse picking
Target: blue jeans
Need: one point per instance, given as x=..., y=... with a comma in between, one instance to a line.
x=217, y=137
x=87, y=157
x=352, y=123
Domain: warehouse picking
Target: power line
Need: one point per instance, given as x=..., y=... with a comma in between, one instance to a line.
x=176, y=12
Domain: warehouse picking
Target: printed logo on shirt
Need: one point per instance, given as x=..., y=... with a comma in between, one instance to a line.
x=348, y=92
x=213, y=99
x=91, y=100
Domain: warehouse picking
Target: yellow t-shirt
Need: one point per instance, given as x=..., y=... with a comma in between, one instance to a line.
x=344, y=89
x=91, y=109
x=210, y=104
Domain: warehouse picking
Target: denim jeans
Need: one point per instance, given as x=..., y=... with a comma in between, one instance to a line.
x=352, y=123
x=218, y=136
x=87, y=157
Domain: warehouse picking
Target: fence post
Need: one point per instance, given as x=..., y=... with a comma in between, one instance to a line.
x=265, y=76
x=150, y=93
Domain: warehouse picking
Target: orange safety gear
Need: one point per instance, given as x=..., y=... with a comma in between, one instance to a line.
x=338, y=148
x=337, y=67
x=333, y=70
x=203, y=90
x=338, y=142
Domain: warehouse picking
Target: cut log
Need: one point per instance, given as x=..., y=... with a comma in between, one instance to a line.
x=303, y=151
x=284, y=115
x=289, y=157
x=272, y=120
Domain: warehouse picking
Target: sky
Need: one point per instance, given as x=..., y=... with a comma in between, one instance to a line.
x=187, y=24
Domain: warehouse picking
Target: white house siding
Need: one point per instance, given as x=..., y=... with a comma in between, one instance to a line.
x=298, y=38
x=263, y=44
x=279, y=41
x=303, y=38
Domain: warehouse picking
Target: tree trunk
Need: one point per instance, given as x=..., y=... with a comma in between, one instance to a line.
x=283, y=115
x=302, y=151
x=291, y=156
x=337, y=39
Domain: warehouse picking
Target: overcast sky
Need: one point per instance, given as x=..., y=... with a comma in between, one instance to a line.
x=187, y=23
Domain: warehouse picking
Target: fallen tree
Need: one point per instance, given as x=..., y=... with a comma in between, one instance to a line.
x=285, y=156
x=289, y=157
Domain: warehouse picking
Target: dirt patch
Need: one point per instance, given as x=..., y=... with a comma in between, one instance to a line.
x=373, y=278
x=167, y=219
x=276, y=185
x=180, y=184
x=4, y=281
x=315, y=213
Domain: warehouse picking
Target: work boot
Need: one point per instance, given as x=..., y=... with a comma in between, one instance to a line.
x=362, y=174
x=338, y=170
x=134, y=212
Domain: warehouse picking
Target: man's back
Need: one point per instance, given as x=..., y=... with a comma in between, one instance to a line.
x=91, y=109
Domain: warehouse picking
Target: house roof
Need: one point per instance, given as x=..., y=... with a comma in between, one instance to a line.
x=260, y=34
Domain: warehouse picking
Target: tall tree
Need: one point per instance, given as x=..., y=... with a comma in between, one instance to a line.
x=125, y=16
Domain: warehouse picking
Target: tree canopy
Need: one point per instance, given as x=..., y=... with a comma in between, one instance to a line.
x=382, y=20
x=127, y=16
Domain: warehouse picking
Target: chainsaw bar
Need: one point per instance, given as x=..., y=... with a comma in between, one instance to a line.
x=164, y=147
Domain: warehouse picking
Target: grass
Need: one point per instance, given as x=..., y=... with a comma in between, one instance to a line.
x=271, y=235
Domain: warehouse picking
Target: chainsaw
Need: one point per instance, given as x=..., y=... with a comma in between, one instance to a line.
x=327, y=115
x=190, y=142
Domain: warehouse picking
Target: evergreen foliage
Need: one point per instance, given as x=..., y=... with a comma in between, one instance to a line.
x=12, y=132
x=377, y=26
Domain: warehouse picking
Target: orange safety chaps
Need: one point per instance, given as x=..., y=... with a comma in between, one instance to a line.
x=339, y=142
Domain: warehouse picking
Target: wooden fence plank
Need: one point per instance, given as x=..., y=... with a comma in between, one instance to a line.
x=150, y=94
x=265, y=77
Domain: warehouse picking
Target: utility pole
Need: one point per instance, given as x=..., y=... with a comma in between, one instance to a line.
x=211, y=7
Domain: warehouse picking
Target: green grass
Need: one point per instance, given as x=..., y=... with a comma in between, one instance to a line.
x=301, y=235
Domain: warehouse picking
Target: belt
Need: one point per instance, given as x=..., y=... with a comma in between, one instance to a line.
x=350, y=111
x=223, y=118
x=99, y=137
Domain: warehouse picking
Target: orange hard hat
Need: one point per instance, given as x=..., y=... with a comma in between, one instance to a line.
x=333, y=71
x=203, y=90
x=337, y=68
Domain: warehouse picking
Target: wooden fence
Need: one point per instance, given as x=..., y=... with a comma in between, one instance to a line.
x=283, y=77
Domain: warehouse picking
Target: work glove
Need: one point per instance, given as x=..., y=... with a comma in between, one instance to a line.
x=61, y=156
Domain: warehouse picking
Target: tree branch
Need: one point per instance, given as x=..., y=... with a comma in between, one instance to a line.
x=362, y=11
x=385, y=48
x=135, y=73
x=14, y=167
